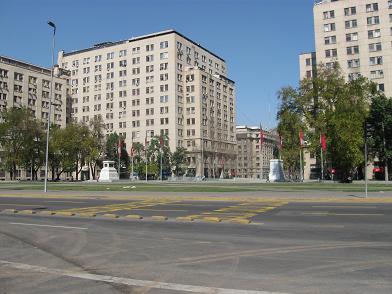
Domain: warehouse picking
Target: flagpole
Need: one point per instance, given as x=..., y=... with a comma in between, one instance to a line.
x=322, y=159
x=145, y=141
x=119, y=157
x=300, y=164
x=161, y=156
x=132, y=155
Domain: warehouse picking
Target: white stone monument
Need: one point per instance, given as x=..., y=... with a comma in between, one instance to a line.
x=108, y=173
x=276, y=173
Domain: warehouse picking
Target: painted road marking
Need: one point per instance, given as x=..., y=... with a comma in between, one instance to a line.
x=343, y=206
x=129, y=281
x=109, y=208
x=240, y=211
x=38, y=225
x=16, y=204
x=63, y=201
x=356, y=214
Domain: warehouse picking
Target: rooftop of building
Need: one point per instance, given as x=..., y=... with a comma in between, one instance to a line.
x=133, y=39
x=318, y=2
x=24, y=65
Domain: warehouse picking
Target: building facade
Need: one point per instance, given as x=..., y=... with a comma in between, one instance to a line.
x=26, y=85
x=253, y=158
x=158, y=84
x=358, y=35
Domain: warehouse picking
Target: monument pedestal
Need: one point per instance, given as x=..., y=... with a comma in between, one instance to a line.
x=276, y=173
x=108, y=173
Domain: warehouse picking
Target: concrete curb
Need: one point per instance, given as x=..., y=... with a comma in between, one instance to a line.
x=110, y=215
x=159, y=218
x=9, y=210
x=27, y=211
x=133, y=216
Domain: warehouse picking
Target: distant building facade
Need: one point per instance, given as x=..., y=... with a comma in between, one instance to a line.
x=26, y=85
x=253, y=157
x=159, y=84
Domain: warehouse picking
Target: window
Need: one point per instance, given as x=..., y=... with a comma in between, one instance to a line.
x=389, y=4
x=374, y=47
x=122, y=53
x=331, y=53
x=135, y=50
x=377, y=74
x=308, y=61
x=352, y=50
x=351, y=37
x=98, y=58
x=353, y=63
x=372, y=7
x=350, y=11
x=164, y=66
x=374, y=34
x=350, y=24
x=164, y=55
x=354, y=75
x=330, y=40
x=373, y=20
x=136, y=60
x=150, y=47
x=164, y=99
x=149, y=58
x=329, y=14
x=164, y=44
x=381, y=87
x=149, y=68
x=122, y=63
x=375, y=60
x=110, y=55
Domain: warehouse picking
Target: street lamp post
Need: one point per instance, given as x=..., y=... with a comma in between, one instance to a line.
x=50, y=107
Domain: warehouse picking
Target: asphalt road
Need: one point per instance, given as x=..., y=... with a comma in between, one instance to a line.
x=288, y=247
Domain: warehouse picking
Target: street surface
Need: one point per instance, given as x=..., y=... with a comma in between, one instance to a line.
x=226, y=244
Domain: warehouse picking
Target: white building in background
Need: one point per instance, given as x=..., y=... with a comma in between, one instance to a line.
x=161, y=83
x=26, y=85
x=358, y=35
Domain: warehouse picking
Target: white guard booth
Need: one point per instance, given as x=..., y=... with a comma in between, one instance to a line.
x=108, y=173
x=276, y=173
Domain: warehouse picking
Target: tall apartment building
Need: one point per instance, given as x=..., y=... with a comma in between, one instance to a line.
x=24, y=84
x=161, y=83
x=357, y=34
x=253, y=158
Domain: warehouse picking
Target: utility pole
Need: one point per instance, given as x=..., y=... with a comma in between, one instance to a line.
x=202, y=156
x=365, y=168
x=50, y=107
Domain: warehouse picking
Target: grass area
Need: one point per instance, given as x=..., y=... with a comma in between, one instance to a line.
x=209, y=187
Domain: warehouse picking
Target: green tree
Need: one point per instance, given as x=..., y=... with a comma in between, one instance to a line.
x=111, y=151
x=178, y=160
x=15, y=137
x=95, y=145
x=158, y=145
x=290, y=123
x=380, y=123
x=328, y=104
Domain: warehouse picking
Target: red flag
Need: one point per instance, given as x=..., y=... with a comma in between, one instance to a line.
x=261, y=136
x=301, y=138
x=161, y=141
x=323, y=141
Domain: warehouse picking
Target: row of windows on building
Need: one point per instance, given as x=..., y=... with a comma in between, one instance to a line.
x=149, y=57
x=350, y=11
x=353, y=23
x=18, y=77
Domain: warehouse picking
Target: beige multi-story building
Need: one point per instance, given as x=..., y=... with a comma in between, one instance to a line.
x=253, y=158
x=161, y=83
x=27, y=85
x=357, y=34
